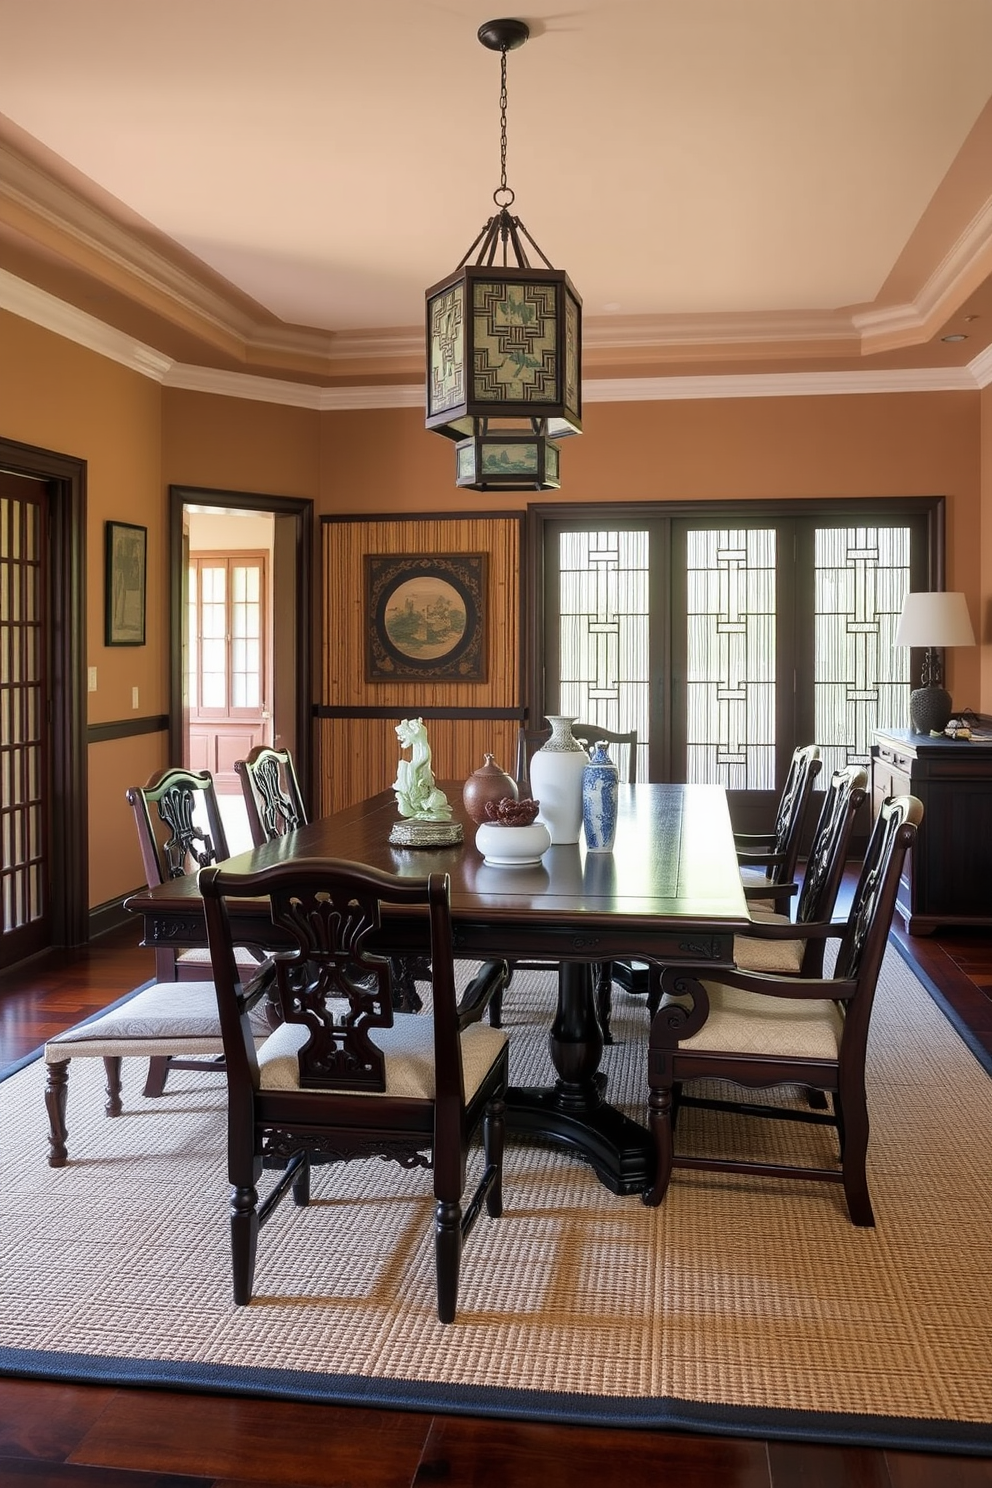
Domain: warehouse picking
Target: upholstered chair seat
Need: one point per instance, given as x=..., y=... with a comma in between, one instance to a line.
x=409, y=1050
x=174, y=1020
x=776, y=1027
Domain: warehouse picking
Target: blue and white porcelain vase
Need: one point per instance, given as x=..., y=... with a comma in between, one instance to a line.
x=600, y=791
x=556, y=780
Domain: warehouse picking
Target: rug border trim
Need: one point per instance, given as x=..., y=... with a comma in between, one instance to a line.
x=963, y=1438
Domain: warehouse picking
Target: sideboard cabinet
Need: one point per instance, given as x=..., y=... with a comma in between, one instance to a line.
x=948, y=875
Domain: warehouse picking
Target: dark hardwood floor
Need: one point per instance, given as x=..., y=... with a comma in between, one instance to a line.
x=116, y=1438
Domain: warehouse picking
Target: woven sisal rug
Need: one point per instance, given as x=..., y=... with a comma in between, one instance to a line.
x=740, y=1306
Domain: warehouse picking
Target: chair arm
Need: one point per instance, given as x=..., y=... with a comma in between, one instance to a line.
x=259, y=985
x=794, y=930
x=746, y=855
x=770, y=890
x=752, y=841
x=492, y=977
x=833, y=989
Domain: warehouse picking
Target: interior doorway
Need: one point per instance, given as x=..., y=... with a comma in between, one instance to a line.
x=241, y=610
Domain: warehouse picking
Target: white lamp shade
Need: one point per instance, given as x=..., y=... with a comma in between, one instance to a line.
x=935, y=619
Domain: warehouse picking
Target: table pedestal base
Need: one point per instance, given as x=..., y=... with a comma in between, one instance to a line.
x=620, y=1151
x=572, y=1112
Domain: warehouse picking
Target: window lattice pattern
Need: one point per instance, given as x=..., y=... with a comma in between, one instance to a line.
x=246, y=636
x=730, y=658
x=603, y=671
x=861, y=579
x=22, y=716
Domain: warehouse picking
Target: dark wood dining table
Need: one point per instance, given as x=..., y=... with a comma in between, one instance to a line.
x=670, y=892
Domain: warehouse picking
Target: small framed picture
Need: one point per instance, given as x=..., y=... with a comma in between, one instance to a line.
x=426, y=617
x=125, y=584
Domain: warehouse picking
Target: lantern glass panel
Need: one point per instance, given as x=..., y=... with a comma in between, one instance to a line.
x=446, y=373
x=516, y=342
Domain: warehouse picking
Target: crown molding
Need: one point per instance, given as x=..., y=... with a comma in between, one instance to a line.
x=965, y=264
x=775, y=328
x=48, y=212
x=42, y=309
x=121, y=251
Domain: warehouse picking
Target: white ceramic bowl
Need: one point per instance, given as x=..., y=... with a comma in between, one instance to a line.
x=512, y=847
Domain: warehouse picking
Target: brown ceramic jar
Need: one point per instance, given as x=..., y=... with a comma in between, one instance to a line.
x=488, y=783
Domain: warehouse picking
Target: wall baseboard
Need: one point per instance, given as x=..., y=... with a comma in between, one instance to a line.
x=112, y=915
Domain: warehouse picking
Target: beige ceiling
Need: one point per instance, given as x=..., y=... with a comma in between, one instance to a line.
x=270, y=185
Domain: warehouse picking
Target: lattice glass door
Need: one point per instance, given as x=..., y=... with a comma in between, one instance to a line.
x=602, y=637
x=730, y=657
x=728, y=638
x=24, y=891
x=861, y=681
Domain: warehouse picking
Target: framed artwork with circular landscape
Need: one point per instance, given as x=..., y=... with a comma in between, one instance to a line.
x=426, y=617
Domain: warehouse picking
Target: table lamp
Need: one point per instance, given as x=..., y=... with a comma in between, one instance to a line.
x=929, y=620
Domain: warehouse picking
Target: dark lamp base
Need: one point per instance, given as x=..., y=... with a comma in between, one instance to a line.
x=929, y=710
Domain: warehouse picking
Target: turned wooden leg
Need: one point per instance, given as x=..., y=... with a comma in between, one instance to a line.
x=158, y=1072
x=244, y=1241
x=660, y=1122
x=493, y=1136
x=447, y=1256
x=56, y=1093
x=112, y=1064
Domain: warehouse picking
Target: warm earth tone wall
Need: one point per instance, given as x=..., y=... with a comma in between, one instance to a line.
x=59, y=396
x=137, y=438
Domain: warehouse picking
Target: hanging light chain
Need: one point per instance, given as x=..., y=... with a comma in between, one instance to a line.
x=503, y=196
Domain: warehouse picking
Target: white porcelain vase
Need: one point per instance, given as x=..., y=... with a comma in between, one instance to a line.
x=556, y=780
x=512, y=847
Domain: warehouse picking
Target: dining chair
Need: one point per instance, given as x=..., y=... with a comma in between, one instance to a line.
x=769, y=858
x=758, y=1029
x=772, y=943
x=273, y=799
x=344, y=1076
x=180, y=829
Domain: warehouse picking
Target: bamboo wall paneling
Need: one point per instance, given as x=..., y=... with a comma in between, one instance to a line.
x=358, y=756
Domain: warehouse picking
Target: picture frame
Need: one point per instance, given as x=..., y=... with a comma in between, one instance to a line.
x=125, y=571
x=426, y=617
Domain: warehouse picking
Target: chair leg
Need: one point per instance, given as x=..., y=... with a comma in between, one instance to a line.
x=301, y=1183
x=447, y=1256
x=604, y=998
x=158, y=1073
x=496, y=1009
x=660, y=1122
x=493, y=1138
x=112, y=1065
x=56, y=1093
x=244, y=1241
x=854, y=1153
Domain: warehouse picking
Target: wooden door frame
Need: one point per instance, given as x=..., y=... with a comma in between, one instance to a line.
x=299, y=508
x=65, y=480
